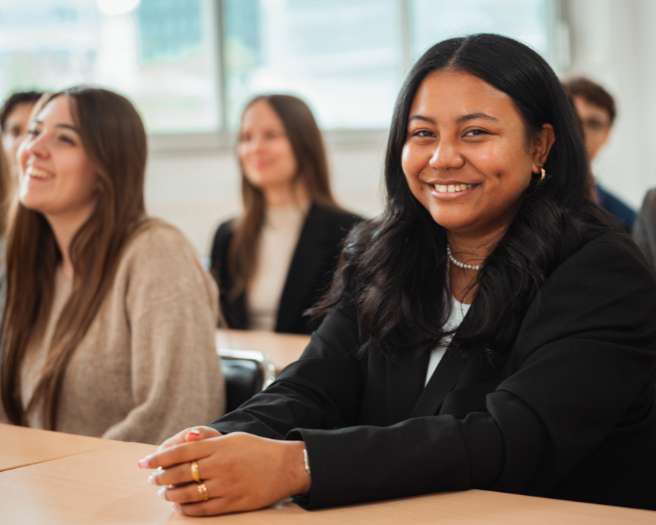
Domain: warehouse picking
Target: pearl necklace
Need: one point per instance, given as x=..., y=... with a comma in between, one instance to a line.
x=460, y=264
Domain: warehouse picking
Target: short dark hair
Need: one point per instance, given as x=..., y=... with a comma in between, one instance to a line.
x=15, y=99
x=593, y=93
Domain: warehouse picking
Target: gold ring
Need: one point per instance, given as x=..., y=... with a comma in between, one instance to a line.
x=195, y=472
x=202, y=491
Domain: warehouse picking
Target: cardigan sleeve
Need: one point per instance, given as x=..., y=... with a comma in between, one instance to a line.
x=584, y=354
x=175, y=374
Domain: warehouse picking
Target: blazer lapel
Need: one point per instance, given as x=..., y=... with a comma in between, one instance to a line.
x=405, y=375
x=440, y=384
x=307, y=256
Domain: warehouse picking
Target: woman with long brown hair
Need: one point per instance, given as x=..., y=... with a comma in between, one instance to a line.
x=109, y=322
x=276, y=260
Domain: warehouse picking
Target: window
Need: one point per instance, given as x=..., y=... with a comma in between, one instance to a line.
x=342, y=56
x=529, y=21
x=189, y=65
x=159, y=53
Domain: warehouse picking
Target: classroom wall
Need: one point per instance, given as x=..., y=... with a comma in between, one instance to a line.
x=611, y=41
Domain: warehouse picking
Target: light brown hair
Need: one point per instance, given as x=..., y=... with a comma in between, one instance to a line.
x=113, y=136
x=6, y=191
x=310, y=154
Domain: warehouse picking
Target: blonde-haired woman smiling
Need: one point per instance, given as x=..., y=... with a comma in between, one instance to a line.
x=109, y=324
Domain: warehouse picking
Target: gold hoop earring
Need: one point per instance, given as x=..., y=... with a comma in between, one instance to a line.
x=543, y=174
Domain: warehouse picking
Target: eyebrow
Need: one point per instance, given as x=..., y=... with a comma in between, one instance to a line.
x=459, y=120
x=62, y=126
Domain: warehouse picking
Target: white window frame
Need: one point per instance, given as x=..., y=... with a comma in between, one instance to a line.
x=223, y=140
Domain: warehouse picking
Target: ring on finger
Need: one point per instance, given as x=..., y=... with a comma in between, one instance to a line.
x=195, y=472
x=202, y=492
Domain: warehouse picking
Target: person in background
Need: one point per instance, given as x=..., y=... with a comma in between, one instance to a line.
x=110, y=318
x=490, y=330
x=14, y=117
x=275, y=261
x=596, y=110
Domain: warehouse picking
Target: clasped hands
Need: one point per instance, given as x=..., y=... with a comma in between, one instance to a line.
x=239, y=471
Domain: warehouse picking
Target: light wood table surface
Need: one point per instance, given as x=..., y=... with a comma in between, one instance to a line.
x=280, y=349
x=104, y=486
x=20, y=446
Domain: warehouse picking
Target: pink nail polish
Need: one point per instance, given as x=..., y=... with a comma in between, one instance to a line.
x=192, y=435
x=143, y=462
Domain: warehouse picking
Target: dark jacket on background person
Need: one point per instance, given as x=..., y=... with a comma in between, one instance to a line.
x=310, y=272
x=616, y=207
x=569, y=411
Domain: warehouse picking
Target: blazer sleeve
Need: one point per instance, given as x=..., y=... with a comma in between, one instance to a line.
x=585, y=352
x=233, y=309
x=219, y=250
x=307, y=393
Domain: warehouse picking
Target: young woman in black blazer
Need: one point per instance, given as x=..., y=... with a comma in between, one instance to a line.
x=488, y=331
x=278, y=258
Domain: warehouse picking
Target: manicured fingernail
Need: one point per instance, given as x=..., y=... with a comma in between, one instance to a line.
x=175, y=507
x=152, y=479
x=192, y=435
x=144, y=462
x=162, y=492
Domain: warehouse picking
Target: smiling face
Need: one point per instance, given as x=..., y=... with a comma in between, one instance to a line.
x=14, y=132
x=264, y=149
x=467, y=158
x=57, y=178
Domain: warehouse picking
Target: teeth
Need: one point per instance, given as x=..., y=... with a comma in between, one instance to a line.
x=451, y=188
x=36, y=174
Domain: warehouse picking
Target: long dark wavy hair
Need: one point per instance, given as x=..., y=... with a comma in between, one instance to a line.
x=395, y=267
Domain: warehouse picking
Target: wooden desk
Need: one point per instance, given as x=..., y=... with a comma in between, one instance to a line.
x=104, y=486
x=20, y=446
x=280, y=349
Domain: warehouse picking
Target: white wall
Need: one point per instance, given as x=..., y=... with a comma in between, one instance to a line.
x=611, y=41
x=197, y=191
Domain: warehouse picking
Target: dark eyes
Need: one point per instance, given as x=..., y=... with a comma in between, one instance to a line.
x=268, y=135
x=475, y=132
x=470, y=133
x=422, y=133
x=66, y=140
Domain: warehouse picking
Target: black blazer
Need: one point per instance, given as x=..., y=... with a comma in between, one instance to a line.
x=310, y=272
x=570, y=414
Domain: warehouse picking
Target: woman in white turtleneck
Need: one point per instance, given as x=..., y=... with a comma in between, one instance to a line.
x=276, y=259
